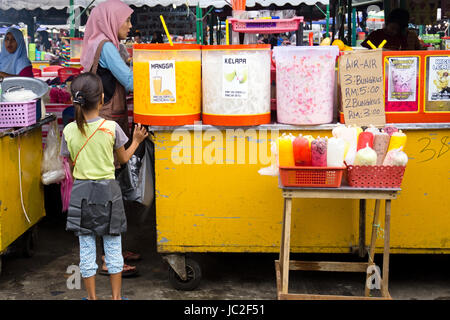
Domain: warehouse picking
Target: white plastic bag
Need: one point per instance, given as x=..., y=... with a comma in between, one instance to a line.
x=272, y=170
x=52, y=167
x=396, y=157
x=366, y=157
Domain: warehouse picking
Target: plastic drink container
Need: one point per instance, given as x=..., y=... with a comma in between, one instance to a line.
x=236, y=85
x=285, y=152
x=305, y=84
x=319, y=152
x=364, y=139
x=302, y=151
x=167, y=84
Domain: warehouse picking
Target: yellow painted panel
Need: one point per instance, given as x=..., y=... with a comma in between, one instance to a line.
x=12, y=219
x=40, y=64
x=229, y=207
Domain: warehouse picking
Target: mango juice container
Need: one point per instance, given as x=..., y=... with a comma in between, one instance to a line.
x=167, y=84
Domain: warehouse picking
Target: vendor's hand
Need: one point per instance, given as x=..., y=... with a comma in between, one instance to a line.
x=140, y=133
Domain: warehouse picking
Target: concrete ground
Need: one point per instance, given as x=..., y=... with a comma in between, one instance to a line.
x=225, y=276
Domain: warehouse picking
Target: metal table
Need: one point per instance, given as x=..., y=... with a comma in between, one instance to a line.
x=284, y=264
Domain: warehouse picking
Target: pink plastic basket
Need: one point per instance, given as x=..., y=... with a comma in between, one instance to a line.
x=17, y=114
x=265, y=25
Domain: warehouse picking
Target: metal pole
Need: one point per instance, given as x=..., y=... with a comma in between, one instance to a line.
x=341, y=19
x=201, y=26
x=299, y=35
x=197, y=24
x=349, y=22
x=72, y=19
x=354, y=15
x=387, y=8
x=327, y=34
x=333, y=26
x=211, y=29
x=219, y=30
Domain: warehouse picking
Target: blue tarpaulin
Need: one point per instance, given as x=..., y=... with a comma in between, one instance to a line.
x=3, y=29
x=323, y=22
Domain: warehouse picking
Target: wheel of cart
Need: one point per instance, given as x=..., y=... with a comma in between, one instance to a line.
x=25, y=245
x=29, y=242
x=184, y=273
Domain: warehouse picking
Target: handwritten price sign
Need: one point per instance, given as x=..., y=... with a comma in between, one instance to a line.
x=361, y=79
x=433, y=150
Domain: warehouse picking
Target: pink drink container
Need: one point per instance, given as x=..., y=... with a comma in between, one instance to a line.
x=305, y=84
x=319, y=152
x=380, y=145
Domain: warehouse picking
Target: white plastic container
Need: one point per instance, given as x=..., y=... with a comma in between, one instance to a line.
x=335, y=152
x=305, y=84
x=236, y=85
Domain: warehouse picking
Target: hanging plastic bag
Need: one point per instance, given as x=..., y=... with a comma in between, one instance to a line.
x=272, y=170
x=137, y=178
x=66, y=186
x=52, y=167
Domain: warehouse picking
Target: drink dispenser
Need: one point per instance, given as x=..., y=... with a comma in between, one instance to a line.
x=167, y=84
x=305, y=84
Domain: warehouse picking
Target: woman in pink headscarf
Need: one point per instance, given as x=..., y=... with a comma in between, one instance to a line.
x=108, y=23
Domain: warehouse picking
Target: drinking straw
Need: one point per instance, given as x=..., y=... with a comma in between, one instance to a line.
x=165, y=29
x=371, y=44
x=227, y=32
x=382, y=44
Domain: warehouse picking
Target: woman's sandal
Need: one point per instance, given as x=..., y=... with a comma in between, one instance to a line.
x=128, y=271
x=131, y=256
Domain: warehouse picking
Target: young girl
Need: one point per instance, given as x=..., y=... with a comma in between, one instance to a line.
x=96, y=206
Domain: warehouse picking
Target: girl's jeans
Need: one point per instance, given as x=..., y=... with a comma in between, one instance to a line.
x=88, y=255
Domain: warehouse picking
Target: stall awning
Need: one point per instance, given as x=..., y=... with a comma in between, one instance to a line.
x=61, y=4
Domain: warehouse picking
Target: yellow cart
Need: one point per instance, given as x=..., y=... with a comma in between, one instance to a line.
x=21, y=191
x=211, y=198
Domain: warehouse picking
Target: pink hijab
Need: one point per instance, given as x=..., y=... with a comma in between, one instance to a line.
x=104, y=23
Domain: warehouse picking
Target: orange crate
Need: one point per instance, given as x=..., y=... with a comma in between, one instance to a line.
x=375, y=176
x=321, y=177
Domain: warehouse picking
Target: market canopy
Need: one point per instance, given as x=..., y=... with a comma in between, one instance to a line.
x=61, y=4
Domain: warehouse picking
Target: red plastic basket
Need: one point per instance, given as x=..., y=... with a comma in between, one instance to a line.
x=311, y=177
x=37, y=72
x=65, y=73
x=17, y=114
x=375, y=176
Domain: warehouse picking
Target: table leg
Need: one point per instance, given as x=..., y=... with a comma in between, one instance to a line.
x=362, y=227
x=373, y=240
x=387, y=230
x=286, y=246
x=282, y=236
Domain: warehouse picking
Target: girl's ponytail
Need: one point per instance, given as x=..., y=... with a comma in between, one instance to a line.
x=79, y=102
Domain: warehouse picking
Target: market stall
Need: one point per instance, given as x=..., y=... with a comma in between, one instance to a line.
x=21, y=190
x=210, y=196
x=199, y=166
